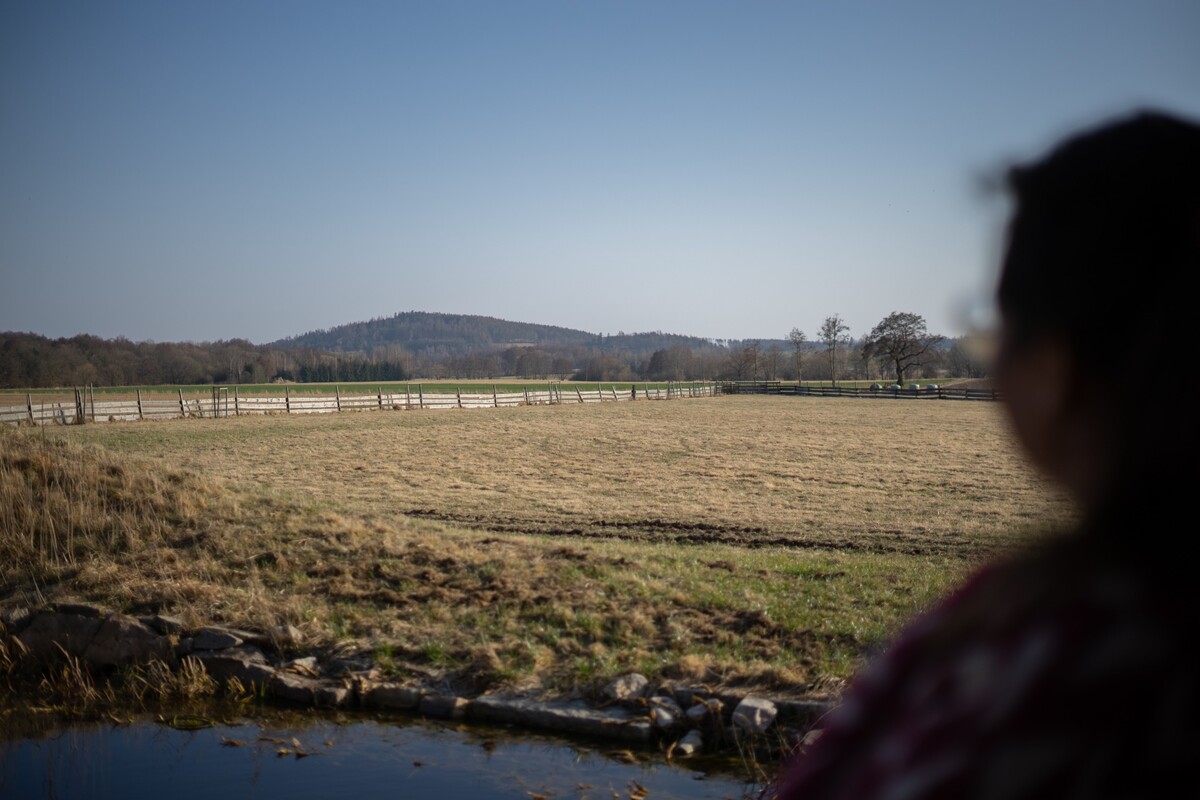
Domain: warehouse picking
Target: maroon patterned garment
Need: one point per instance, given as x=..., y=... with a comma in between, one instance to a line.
x=1071, y=673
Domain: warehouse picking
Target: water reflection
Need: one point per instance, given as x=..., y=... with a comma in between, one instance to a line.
x=295, y=758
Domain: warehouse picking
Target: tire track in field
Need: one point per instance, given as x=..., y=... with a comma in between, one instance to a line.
x=878, y=540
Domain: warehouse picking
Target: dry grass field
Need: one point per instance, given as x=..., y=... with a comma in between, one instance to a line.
x=738, y=539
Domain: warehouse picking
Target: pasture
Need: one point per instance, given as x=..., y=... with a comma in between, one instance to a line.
x=755, y=540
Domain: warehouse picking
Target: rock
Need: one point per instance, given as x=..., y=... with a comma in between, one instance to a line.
x=293, y=688
x=443, y=706
x=303, y=666
x=123, y=640
x=665, y=713
x=215, y=638
x=250, y=637
x=285, y=636
x=48, y=631
x=626, y=687
x=570, y=717
x=804, y=709
x=666, y=703
x=15, y=619
x=389, y=696
x=705, y=709
x=331, y=695
x=690, y=744
x=246, y=664
x=184, y=647
x=164, y=624
x=81, y=610
x=754, y=714
x=359, y=663
x=664, y=720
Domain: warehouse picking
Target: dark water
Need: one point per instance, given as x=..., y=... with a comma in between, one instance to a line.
x=359, y=760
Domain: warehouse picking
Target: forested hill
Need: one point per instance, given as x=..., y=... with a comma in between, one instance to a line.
x=451, y=334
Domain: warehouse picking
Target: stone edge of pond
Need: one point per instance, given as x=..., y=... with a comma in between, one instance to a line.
x=633, y=710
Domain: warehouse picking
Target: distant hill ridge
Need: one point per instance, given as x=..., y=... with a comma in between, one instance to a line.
x=424, y=331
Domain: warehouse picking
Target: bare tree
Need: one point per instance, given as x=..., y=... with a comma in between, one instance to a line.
x=798, y=340
x=833, y=333
x=864, y=357
x=901, y=339
x=755, y=350
x=745, y=361
x=770, y=359
x=965, y=359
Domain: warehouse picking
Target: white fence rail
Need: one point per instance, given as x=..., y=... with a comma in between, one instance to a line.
x=227, y=402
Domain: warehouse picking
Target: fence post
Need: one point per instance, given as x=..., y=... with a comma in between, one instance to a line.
x=287, y=400
x=182, y=407
x=495, y=398
x=29, y=407
x=237, y=411
x=579, y=394
x=458, y=394
x=139, y=403
x=379, y=396
x=525, y=389
x=337, y=396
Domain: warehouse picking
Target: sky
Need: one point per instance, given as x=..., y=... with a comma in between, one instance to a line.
x=195, y=171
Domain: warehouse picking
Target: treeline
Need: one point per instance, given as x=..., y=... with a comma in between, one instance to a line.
x=28, y=360
x=896, y=349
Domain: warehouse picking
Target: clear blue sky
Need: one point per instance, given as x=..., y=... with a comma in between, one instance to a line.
x=208, y=170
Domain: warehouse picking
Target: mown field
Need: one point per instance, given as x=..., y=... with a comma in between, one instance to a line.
x=760, y=540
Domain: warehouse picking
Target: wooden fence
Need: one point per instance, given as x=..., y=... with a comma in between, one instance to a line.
x=928, y=392
x=227, y=402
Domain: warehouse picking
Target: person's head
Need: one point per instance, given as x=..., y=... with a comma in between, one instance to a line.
x=1095, y=359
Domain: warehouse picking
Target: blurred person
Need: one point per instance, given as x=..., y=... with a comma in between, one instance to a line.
x=1069, y=671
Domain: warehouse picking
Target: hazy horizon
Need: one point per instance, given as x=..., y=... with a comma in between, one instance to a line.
x=180, y=172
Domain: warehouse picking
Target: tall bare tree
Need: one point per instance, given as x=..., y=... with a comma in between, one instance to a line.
x=901, y=339
x=770, y=359
x=833, y=334
x=798, y=340
x=753, y=350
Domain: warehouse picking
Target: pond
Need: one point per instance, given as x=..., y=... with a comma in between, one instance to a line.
x=301, y=756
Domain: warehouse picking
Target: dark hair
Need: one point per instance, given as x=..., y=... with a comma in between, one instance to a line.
x=1105, y=233
x=1123, y=198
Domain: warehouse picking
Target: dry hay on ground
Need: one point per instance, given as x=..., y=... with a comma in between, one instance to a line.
x=813, y=528
x=929, y=477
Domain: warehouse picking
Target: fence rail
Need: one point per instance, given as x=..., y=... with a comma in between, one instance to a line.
x=227, y=402
x=928, y=392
